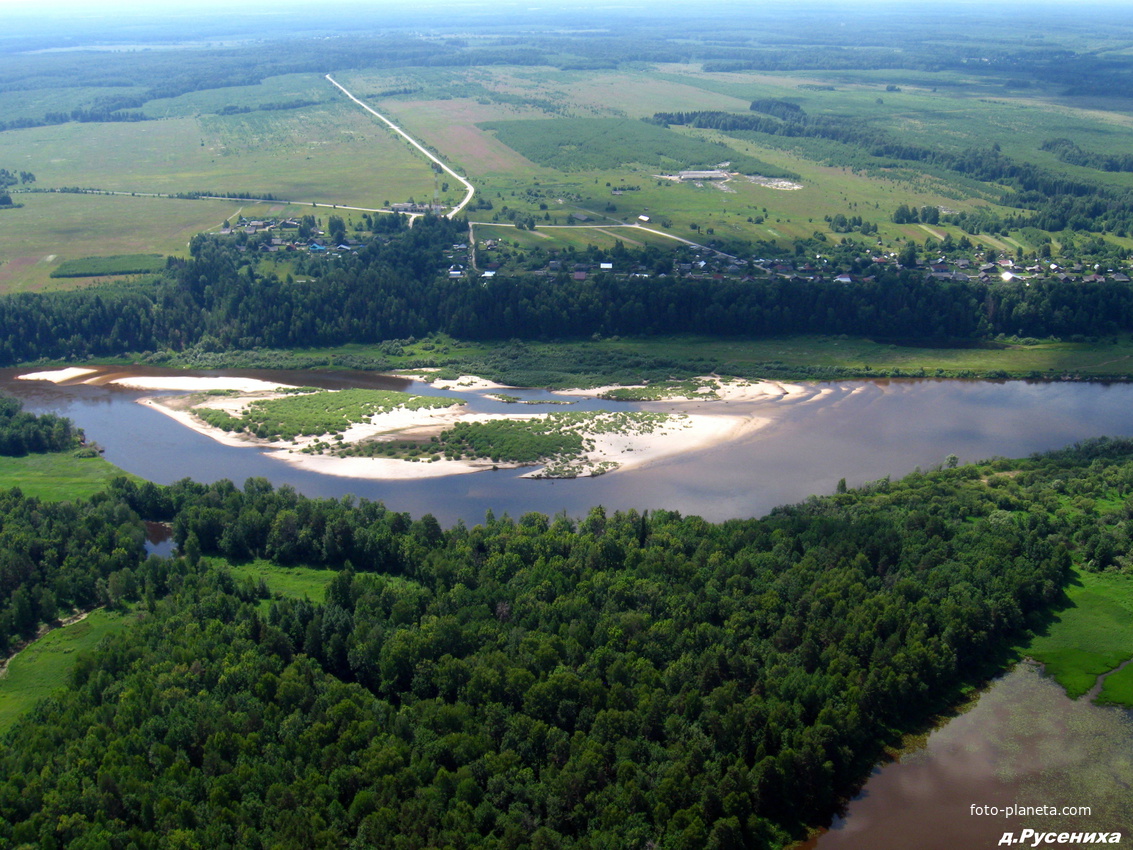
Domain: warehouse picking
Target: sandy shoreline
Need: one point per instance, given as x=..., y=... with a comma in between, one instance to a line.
x=724, y=411
x=57, y=376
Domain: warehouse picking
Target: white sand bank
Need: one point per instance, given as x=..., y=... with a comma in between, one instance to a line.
x=57, y=376
x=196, y=385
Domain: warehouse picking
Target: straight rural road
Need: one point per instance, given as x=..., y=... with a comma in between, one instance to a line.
x=471, y=190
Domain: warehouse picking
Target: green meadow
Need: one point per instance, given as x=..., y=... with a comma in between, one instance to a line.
x=1091, y=636
x=294, y=582
x=57, y=476
x=46, y=664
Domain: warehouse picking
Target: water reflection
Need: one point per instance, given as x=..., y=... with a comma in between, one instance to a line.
x=1023, y=743
x=159, y=539
x=857, y=430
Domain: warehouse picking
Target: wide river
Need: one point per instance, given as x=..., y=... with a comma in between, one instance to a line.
x=1022, y=742
x=857, y=430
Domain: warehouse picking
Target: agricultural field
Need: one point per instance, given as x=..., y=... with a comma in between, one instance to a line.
x=543, y=144
x=52, y=228
x=122, y=264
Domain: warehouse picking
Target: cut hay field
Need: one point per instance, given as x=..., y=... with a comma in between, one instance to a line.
x=52, y=228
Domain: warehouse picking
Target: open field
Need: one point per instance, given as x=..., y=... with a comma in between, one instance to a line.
x=296, y=582
x=46, y=664
x=1090, y=637
x=57, y=476
x=51, y=228
x=331, y=152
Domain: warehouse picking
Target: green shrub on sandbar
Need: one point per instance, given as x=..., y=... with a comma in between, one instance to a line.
x=318, y=413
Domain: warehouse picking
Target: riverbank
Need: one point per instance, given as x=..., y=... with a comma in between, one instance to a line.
x=615, y=360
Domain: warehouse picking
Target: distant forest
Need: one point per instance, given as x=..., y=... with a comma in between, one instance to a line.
x=774, y=43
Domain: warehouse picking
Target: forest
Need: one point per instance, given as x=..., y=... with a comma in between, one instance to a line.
x=531, y=681
x=217, y=300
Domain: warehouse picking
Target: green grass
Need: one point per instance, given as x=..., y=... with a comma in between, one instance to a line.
x=294, y=582
x=46, y=664
x=1118, y=689
x=58, y=476
x=115, y=265
x=590, y=144
x=631, y=359
x=316, y=413
x=53, y=228
x=1090, y=637
x=863, y=356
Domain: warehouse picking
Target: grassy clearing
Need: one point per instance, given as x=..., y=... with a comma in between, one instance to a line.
x=45, y=665
x=317, y=413
x=58, y=476
x=294, y=582
x=1090, y=637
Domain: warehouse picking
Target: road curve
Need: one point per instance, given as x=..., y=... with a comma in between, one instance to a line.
x=471, y=189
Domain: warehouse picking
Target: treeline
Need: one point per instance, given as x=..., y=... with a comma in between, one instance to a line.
x=393, y=289
x=612, y=681
x=59, y=557
x=23, y=433
x=1069, y=152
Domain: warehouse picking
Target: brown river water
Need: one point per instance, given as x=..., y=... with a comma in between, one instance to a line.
x=1023, y=742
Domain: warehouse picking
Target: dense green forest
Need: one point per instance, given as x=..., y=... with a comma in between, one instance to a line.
x=393, y=288
x=536, y=682
x=24, y=433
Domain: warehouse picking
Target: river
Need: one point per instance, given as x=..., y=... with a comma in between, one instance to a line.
x=1023, y=742
x=857, y=430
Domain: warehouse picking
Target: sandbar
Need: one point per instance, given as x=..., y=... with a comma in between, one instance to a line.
x=728, y=411
x=196, y=385
x=57, y=376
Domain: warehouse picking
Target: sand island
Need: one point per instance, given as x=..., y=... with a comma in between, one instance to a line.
x=383, y=434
